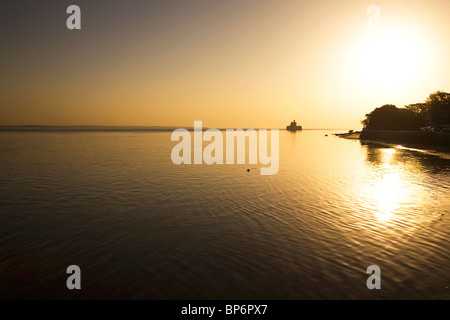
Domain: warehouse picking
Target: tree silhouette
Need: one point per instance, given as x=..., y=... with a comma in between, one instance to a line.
x=439, y=107
x=389, y=117
x=434, y=111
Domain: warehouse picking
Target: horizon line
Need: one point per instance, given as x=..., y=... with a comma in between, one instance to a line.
x=145, y=127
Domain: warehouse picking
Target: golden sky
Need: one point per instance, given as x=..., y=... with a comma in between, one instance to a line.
x=231, y=63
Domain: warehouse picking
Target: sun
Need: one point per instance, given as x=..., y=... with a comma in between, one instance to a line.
x=391, y=59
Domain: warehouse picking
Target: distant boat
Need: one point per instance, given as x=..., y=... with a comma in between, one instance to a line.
x=293, y=127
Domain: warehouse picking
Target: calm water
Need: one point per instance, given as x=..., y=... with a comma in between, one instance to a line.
x=141, y=227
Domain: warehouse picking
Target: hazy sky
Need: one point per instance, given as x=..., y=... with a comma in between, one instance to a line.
x=229, y=63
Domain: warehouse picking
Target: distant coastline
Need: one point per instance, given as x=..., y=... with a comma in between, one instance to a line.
x=100, y=128
x=86, y=128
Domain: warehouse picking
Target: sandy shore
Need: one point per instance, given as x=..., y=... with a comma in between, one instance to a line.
x=353, y=135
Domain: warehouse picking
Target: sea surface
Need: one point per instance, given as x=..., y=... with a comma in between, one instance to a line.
x=141, y=227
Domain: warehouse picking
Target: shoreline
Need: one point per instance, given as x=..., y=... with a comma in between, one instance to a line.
x=348, y=135
x=410, y=139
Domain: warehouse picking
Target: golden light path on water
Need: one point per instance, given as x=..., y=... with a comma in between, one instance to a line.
x=388, y=190
x=395, y=192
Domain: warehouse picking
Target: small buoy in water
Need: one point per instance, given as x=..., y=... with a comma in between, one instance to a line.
x=248, y=170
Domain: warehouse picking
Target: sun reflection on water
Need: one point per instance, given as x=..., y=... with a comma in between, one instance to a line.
x=387, y=192
x=390, y=188
x=396, y=188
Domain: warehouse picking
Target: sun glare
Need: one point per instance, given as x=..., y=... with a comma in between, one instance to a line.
x=390, y=60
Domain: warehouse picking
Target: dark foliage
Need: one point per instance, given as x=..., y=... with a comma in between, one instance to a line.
x=434, y=111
